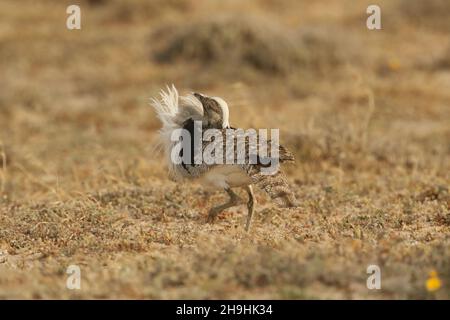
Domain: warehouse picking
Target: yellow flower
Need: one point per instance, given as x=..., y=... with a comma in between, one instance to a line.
x=433, y=283
x=394, y=64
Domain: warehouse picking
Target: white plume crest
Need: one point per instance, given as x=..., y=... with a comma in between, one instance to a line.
x=166, y=108
x=173, y=111
x=225, y=111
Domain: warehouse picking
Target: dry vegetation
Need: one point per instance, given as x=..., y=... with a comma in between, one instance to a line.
x=367, y=114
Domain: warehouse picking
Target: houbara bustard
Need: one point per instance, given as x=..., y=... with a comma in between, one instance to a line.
x=182, y=113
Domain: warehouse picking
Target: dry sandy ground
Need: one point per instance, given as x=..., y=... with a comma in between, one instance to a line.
x=367, y=114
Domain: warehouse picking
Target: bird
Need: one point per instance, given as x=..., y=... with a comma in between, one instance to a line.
x=212, y=113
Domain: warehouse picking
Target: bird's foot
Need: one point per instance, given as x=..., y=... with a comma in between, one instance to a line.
x=212, y=216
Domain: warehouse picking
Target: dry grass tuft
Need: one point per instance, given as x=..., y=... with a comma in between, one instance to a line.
x=431, y=14
x=256, y=43
x=114, y=11
x=443, y=62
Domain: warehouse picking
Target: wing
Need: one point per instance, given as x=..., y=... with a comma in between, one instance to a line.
x=231, y=147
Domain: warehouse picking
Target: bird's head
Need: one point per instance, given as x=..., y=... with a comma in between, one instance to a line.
x=215, y=111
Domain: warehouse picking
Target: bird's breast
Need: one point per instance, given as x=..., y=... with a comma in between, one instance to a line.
x=226, y=176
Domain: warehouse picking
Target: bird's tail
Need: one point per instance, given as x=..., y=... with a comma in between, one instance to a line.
x=276, y=187
x=286, y=155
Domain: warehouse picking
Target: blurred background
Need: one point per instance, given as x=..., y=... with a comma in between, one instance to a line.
x=366, y=112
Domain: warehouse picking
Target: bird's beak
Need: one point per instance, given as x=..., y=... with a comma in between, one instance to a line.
x=198, y=96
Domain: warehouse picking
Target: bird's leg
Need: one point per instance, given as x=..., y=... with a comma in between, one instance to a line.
x=250, y=205
x=234, y=201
